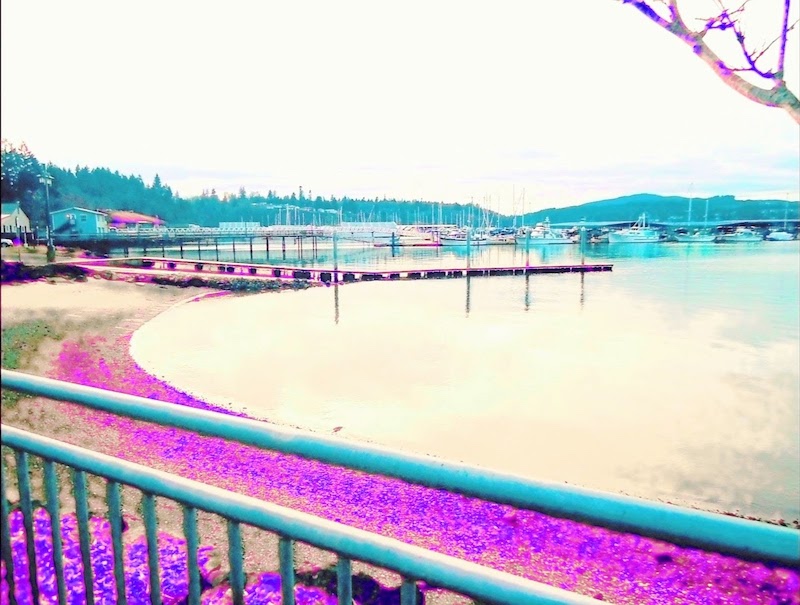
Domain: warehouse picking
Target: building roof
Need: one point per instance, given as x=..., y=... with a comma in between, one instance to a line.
x=8, y=208
x=127, y=216
x=78, y=208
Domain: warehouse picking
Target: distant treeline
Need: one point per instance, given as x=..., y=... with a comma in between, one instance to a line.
x=100, y=188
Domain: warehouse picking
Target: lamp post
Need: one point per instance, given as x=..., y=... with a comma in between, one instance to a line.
x=47, y=180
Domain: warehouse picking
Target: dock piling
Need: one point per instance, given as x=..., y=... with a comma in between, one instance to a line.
x=527, y=247
x=335, y=258
x=469, y=233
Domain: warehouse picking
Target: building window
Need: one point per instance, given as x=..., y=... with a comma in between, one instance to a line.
x=83, y=218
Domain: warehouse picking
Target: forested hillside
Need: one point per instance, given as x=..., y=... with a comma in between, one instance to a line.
x=102, y=188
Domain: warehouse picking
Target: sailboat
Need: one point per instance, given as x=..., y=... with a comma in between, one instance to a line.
x=782, y=235
x=698, y=236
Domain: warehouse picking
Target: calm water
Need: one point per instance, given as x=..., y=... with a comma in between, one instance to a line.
x=675, y=377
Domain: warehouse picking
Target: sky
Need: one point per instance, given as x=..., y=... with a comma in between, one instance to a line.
x=511, y=104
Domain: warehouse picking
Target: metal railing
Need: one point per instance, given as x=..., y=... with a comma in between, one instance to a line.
x=742, y=538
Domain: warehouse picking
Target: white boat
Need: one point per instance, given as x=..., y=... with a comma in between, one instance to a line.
x=458, y=237
x=779, y=236
x=697, y=237
x=638, y=233
x=409, y=235
x=542, y=235
x=501, y=239
x=740, y=235
x=782, y=235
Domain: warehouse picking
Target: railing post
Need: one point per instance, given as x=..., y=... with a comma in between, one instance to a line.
x=344, y=581
x=5, y=534
x=82, y=513
x=286, y=563
x=190, y=533
x=408, y=592
x=115, y=519
x=51, y=494
x=235, y=560
x=151, y=532
x=24, y=484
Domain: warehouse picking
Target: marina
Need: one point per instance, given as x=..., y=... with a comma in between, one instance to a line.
x=261, y=244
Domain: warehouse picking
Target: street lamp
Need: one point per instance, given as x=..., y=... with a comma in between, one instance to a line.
x=47, y=180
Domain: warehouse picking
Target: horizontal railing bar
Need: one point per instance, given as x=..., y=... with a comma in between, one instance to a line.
x=721, y=533
x=411, y=561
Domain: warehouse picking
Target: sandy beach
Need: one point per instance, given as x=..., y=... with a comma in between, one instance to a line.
x=94, y=321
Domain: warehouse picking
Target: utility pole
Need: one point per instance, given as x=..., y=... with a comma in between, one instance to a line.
x=47, y=180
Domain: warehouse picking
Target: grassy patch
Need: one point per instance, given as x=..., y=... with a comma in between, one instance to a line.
x=20, y=342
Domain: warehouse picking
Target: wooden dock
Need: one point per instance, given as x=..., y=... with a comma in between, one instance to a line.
x=326, y=275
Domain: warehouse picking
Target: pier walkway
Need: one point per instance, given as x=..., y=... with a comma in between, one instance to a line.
x=325, y=275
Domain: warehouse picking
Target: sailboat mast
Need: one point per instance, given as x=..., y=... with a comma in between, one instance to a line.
x=705, y=218
x=786, y=212
x=514, y=204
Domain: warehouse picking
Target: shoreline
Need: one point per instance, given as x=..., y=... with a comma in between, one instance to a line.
x=553, y=551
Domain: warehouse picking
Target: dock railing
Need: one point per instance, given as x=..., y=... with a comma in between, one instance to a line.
x=688, y=527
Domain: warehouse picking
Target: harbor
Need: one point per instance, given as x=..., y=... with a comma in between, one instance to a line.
x=276, y=241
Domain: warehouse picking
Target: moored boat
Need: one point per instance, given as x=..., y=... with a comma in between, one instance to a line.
x=779, y=236
x=458, y=237
x=697, y=237
x=740, y=235
x=638, y=233
x=782, y=235
x=542, y=234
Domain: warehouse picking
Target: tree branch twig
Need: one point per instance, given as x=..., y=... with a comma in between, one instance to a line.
x=776, y=96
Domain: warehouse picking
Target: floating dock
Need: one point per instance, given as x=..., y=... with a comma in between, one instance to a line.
x=326, y=275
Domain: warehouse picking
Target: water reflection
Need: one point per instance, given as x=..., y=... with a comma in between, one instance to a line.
x=679, y=378
x=336, y=302
x=528, y=291
x=468, y=279
x=358, y=255
x=469, y=286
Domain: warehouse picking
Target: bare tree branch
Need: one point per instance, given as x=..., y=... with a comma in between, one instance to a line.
x=728, y=20
x=782, y=56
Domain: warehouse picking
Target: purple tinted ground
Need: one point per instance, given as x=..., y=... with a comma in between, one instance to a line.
x=600, y=563
x=263, y=589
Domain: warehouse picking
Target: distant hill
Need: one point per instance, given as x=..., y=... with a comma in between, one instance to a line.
x=667, y=208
